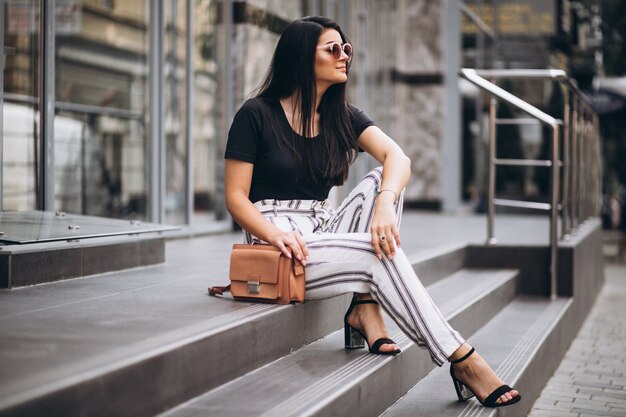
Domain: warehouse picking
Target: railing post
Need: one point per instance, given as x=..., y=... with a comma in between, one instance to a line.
x=554, y=211
x=575, y=164
x=491, y=209
x=583, y=165
x=566, y=219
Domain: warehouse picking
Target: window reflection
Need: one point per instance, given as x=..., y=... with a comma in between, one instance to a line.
x=101, y=67
x=208, y=91
x=20, y=110
x=174, y=94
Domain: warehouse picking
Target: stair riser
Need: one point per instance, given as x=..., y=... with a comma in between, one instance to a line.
x=398, y=376
x=20, y=267
x=486, y=308
x=156, y=384
x=382, y=388
x=436, y=267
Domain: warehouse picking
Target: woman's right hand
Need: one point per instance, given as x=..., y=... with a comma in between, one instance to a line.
x=286, y=241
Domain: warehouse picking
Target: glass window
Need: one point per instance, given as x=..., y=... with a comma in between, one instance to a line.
x=174, y=126
x=20, y=110
x=209, y=103
x=101, y=125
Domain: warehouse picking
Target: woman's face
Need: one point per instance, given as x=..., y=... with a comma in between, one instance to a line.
x=329, y=70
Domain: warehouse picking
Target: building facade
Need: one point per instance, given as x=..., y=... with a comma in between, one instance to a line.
x=121, y=108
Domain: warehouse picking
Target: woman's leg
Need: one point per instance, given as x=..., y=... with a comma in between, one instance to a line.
x=346, y=262
x=354, y=215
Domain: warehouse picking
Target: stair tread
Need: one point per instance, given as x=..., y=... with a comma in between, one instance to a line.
x=97, y=334
x=506, y=342
x=306, y=378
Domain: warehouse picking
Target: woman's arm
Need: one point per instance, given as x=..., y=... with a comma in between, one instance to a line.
x=237, y=183
x=396, y=173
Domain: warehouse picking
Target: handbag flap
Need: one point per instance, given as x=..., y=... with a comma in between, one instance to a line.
x=254, y=265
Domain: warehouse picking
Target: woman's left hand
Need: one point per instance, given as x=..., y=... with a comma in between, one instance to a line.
x=384, y=230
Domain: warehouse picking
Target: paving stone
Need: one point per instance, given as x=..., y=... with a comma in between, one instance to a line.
x=543, y=413
x=567, y=396
x=597, y=385
x=547, y=401
x=611, y=396
x=579, y=402
x=561, y=399
x=556, y=407
x=603, y=413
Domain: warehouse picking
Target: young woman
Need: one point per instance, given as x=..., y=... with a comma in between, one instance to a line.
x=286, y=148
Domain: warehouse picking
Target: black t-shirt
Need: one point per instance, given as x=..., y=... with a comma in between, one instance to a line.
x=276, y=172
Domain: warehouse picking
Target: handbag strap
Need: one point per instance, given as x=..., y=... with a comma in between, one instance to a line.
x=219, y=290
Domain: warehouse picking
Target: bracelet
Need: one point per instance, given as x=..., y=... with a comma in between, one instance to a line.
x=391, y=191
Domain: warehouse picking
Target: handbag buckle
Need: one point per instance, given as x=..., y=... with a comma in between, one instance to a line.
x=254, y=287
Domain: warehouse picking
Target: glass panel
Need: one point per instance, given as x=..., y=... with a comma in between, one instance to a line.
x=20, y=110
x=208, y=106
x=45, y=226
x=175, y=127
x=101, y=126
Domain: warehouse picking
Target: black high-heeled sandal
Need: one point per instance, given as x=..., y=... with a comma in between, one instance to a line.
x=356, y=338
x=465, y=393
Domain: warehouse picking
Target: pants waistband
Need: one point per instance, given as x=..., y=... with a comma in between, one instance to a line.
x=295, y=204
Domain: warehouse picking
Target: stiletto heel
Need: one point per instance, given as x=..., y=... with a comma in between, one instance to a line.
x=355, y=338
x=465, y=393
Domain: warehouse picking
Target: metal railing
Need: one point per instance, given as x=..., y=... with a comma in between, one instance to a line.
x=577, y=197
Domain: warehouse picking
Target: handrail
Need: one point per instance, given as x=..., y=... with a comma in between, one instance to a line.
x=472, y=75
x=581, y=154
x=522, y=73
x=580, y=150
x=529, y=74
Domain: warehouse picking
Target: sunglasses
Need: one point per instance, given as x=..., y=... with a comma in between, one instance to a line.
x=335, y=48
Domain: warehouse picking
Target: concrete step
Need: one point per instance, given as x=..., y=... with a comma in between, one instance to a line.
x=38, y=263
x=41, y=246
x=524, y=343
x=324, y=379
x=88, y=346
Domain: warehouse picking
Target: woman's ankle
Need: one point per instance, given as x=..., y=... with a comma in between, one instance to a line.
x=462, y=350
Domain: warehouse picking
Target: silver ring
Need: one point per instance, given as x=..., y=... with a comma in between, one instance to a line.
x=383, y=237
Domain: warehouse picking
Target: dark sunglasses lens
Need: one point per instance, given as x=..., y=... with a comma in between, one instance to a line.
x=336, y=50
x=347, y=48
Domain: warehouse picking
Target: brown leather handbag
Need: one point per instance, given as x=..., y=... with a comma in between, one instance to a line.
x=264, y=274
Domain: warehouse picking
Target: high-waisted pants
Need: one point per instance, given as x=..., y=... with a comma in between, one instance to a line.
x=342, y=260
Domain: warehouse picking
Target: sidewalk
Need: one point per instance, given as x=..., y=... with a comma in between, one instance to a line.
x=591, y=380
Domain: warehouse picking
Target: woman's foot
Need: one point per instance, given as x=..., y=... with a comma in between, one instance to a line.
x=478, y=375
x=369, y=319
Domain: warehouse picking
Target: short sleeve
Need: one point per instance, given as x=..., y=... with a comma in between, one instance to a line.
x=245, y=133
x=359, y=120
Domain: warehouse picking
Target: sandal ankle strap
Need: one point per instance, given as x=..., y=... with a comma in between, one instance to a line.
x=467, y=355
x=365, y=302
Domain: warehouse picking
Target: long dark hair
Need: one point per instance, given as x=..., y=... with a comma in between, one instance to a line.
x=291, y=73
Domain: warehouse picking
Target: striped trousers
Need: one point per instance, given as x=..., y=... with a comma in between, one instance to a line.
x=342, y=260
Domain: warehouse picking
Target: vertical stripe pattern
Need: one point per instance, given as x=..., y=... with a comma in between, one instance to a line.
x=342, y=260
